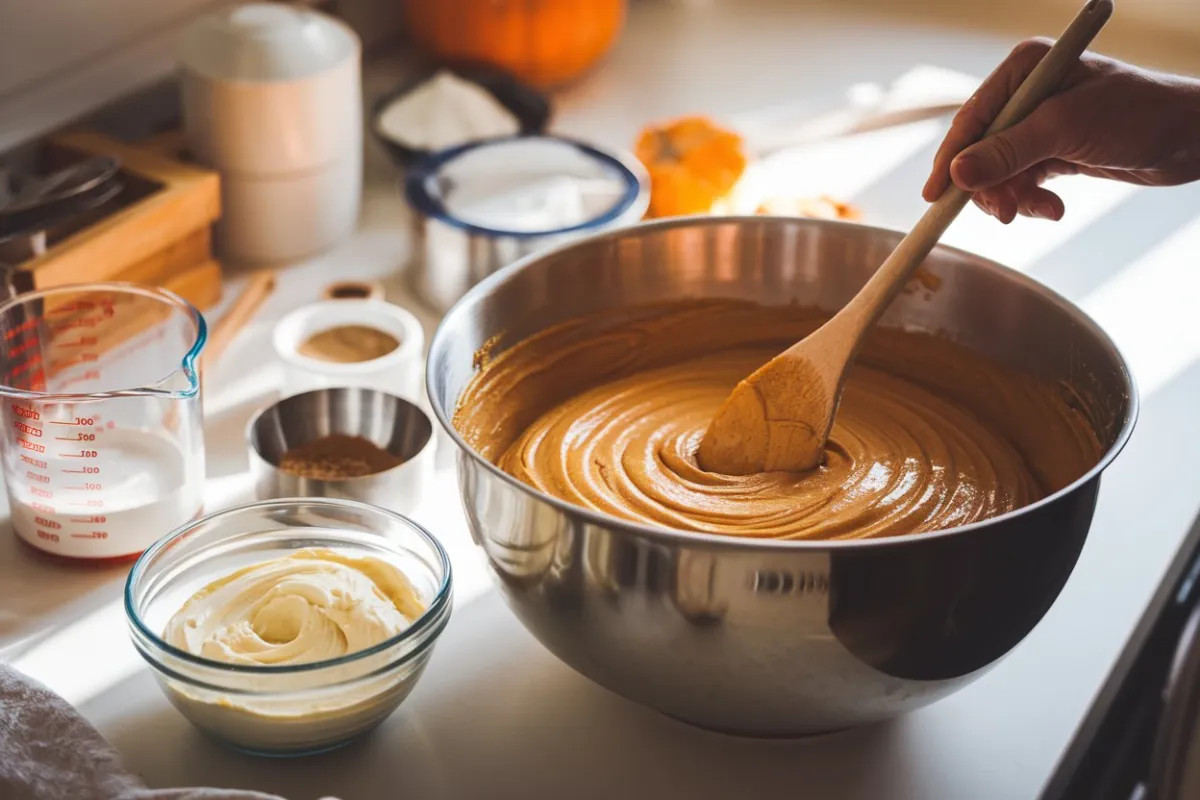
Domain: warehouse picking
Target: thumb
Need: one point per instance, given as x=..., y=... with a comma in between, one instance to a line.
x=1009, y=153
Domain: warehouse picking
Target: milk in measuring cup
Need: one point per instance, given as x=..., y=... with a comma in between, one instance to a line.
x=91, y=492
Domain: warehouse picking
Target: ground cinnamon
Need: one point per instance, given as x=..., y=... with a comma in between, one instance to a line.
x=337, y=456
x=349, y=344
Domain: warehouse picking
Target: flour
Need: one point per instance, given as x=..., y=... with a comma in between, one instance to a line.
x=443, y=112
x=110, y=496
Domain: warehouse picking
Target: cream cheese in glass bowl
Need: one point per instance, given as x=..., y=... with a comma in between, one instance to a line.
x=290, y=627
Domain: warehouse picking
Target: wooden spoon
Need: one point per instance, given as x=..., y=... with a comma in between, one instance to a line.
x=257, y=290
x=779, y=418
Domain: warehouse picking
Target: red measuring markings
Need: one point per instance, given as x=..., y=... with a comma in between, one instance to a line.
x=24, y=327
x=80, y=454
x=49, y=537
x=79, y=437
x=73, y=307
x=89, y=503
x=92, y=535
x=32, y=446
x=37, y=477
x=47, y=523
x=75, y=324
x=83, y=358
x=28, y=430
x=23, y=347
x=87, y=487
x=83, y=341
x=90, y=375
x=33, y=462
x=45, y=509
x=26, y=412
x=90, y=520
x=45, y=493
x=26, y=365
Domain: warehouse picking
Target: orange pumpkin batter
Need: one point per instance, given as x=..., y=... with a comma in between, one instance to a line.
x=606, y=412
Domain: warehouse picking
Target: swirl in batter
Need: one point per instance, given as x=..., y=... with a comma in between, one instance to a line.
x=607, y=413
x=312, y=605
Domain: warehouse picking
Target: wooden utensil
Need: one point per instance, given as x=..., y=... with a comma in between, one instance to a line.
x=779, y=418
x=257, y=290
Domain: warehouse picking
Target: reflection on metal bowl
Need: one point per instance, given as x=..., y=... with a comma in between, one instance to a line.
x=778, y=638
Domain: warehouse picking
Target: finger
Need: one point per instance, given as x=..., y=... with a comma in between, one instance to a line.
x=1006, y=204
x=1042, y=204
x=1031, y=199
x=999, y=201
x=995, y=203
x=1042, y=136
x=984, y=203
x=978, y=112
x=1021, y=196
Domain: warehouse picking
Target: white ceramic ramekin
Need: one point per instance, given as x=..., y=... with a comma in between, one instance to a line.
x=398, y=372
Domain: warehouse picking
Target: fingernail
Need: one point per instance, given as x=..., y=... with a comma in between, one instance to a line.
x=1042, y=211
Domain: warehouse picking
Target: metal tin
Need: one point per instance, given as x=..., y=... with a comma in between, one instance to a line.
x=454, y=252
x=392, y=423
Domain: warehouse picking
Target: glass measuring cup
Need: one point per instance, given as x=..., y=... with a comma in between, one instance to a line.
x=100, y=428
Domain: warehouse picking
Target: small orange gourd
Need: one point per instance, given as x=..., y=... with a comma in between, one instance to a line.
x=694, y=165
x=545, y=43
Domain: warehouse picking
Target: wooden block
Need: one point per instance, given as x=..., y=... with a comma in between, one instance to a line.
x=193, y=249
x=169, y=143
x=200, y=285
x=178, y=198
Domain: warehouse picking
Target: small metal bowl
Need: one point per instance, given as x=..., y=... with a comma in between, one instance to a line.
x=390, y=422
x=454, y=250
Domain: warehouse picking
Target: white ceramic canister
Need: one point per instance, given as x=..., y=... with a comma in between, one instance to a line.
x=272, y=100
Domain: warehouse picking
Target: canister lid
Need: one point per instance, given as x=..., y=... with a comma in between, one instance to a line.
x=266, y=42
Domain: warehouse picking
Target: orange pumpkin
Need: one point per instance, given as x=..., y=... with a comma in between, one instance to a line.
x=694, y=165
x=543, y=42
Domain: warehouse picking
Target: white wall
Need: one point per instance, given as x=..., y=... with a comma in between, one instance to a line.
x=60, y=59
x=41, y=38
x=1167, y=14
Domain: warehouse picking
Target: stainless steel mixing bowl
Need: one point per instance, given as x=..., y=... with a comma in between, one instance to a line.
x=775, y=638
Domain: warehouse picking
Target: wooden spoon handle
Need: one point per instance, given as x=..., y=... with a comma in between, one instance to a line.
x=888, y=280
x=256, y=292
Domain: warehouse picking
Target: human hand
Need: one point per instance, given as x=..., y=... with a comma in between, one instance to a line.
x=1108, y=119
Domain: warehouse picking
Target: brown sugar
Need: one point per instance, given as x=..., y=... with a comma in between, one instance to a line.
x=337, y=456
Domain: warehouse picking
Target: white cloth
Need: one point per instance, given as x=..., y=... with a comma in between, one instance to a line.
x=49, y=752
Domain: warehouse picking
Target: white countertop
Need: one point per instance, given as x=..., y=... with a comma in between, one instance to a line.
x=495, y=714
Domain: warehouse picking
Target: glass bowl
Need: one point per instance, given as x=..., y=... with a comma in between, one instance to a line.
x=290, y=709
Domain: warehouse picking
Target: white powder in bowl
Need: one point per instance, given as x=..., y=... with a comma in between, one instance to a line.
x=443, y=112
